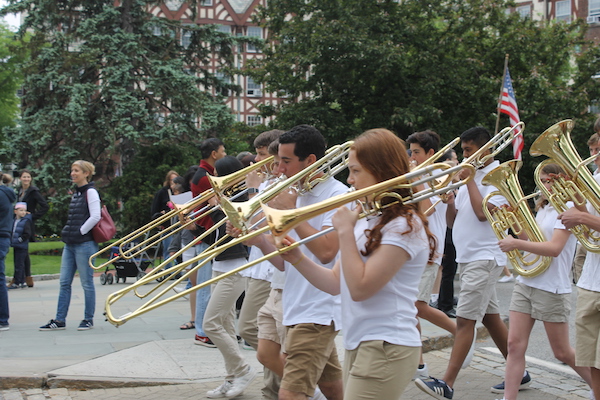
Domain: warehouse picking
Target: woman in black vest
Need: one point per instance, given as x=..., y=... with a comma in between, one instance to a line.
x=84, y=214
x=36, y=206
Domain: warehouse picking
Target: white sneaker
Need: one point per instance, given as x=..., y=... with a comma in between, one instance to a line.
x=179, y=289
x=421, y=373
x=506, y=279
x=221, y=391
x=240, y=383
x=318, y=395
x=469, y=356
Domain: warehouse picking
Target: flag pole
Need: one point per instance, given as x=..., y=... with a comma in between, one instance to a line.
x=500, y=95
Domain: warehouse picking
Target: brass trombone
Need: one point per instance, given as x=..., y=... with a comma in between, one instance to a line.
x=518, y=217
x=282, y=221
x=496, y=144
x=221, y=184
x=555, y=143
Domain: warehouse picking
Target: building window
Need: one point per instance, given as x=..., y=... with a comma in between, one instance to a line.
x=206, y=3
x=226, y=80
x=563, y=10
x=186, y=38
x=224, y=29
x=524, y=11
x=253, y=120
x=593, y=12
x=253, y=89
x=255, y=32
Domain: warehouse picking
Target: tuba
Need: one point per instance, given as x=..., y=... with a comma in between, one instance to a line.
x=555, y=143
x=517, y=217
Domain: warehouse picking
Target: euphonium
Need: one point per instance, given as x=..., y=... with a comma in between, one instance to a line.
x=517, y=217
x=555, y=142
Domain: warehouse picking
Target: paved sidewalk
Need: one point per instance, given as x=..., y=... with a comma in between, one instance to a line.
x=149, y=356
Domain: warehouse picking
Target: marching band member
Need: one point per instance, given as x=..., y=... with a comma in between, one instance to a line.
x=382, y=259
x=545, y=297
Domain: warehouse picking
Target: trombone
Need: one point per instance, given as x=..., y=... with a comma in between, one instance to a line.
x=555, y=142
x=496, y=144
x=282, y=221
x=334, y=161
x=518, y=217
x=222, y=184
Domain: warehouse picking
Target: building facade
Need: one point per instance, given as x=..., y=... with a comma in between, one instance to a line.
x=233, y=17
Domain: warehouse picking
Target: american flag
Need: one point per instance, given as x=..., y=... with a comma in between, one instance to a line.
x=508, y=105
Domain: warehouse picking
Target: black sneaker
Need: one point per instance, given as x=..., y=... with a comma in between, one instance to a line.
x=435, y=388
x=85, y=325
x=53, y=326
x=525, y=382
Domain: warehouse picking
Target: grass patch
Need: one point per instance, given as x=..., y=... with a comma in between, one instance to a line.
x=42, y=262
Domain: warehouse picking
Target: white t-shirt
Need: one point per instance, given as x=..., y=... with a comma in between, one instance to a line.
x=264, y=270
x=556, y=278
x=437, y=226
x=475, y=240
x=390, y=314
x=590, y=276
x=302, y=302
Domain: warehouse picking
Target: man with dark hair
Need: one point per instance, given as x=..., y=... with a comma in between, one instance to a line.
x=480, y=263
x=311, y=317
x=426, y=140
x=211, y=150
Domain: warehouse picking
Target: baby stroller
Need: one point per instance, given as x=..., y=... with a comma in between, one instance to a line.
x=128, y=268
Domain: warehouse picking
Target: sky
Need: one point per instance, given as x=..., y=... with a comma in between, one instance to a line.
x=11, y=19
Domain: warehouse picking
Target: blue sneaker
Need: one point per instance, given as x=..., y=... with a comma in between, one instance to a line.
x=53, y=325
x=525, y=382
x=435, y=388
x=85, y=325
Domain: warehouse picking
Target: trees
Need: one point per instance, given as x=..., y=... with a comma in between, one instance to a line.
x=106, y=78
x=414, y=65
x=11, y=56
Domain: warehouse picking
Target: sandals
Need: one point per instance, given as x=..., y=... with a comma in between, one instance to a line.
x=188, y=325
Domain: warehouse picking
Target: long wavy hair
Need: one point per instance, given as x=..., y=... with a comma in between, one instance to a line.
x=384, y=155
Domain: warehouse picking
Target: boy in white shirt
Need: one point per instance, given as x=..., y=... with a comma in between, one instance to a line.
x=480, y=263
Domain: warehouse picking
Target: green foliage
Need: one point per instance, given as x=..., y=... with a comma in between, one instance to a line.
x=12, y=55
x=144, y=176
x=414, y=65
x=106, y=80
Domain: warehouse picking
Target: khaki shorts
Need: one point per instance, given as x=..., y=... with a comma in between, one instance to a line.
x=379, y=370
x=270, y=319
x=587, y=329
x=311, y=358
x=427, y=280
x=477, y=295
x=540, y=304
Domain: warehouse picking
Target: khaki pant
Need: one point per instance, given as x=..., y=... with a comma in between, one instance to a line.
x=378, y=370
x=219, y=322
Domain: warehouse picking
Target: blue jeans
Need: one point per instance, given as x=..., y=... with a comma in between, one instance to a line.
x=75, y=258
x=203, y=295
x=4, y=246
x=165, y=248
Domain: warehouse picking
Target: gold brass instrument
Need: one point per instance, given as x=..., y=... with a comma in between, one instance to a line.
x=496, y=144
x=297, y=216
x=335, y=160
x=222, y=184
x=555, y=143
x=517, y=216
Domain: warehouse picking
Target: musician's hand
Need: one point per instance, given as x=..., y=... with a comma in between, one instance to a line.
x=232, y=230
x=572, y=217
x=254, y=179
x=345, y=219
x=213, y=201
x=463, y=174
x=285, y=200
x=292, y=256
x=507, y=244
x=448, y=198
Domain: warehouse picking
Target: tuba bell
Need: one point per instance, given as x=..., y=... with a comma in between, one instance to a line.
x=555, y=143
x=517, y=217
